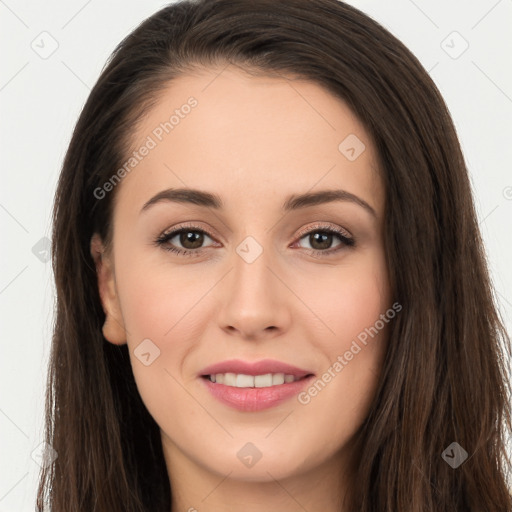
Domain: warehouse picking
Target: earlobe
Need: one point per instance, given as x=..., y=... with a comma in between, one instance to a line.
x=113, y=328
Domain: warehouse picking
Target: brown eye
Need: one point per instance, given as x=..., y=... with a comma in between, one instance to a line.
x=186, y=240
x=321, y=240
x=190, y=239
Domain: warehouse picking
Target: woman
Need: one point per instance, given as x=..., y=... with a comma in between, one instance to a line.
x=238, y=368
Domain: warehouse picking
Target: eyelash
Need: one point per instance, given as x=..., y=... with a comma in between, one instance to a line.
x=162, y=240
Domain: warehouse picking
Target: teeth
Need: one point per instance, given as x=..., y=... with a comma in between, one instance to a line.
x=229, y=379
x=244, y=381
x=277, y=379
x=240, y=380
x=263, y=381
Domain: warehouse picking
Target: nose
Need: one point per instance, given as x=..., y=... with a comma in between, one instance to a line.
x=254, y=300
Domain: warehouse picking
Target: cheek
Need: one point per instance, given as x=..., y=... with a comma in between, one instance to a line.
x=166, y=306
x=156, y=300
x=356, y=309
x=352, y=300
x=161, y=306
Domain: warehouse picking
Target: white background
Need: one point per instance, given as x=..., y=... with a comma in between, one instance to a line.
x=40, y=100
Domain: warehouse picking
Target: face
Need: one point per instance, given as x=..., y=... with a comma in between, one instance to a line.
x=247, y=276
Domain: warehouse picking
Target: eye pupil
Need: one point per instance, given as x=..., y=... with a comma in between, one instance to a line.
x=194, y=237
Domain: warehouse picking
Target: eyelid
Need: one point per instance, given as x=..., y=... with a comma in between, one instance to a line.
x=324, y=225
x=186, y=225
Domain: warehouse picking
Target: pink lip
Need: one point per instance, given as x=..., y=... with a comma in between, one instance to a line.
x=258, y=368
x=255, y=399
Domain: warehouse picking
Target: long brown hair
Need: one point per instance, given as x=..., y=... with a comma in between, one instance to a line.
x=444, y=377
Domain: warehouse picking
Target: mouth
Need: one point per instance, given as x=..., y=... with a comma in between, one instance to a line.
x=253, y=387
x=241, y=380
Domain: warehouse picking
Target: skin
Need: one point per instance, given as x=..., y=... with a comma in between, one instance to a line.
x=253, y=141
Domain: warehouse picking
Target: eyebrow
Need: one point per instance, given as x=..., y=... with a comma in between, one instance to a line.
x=293, y=202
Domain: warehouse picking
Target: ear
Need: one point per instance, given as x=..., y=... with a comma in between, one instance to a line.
x=113, y=328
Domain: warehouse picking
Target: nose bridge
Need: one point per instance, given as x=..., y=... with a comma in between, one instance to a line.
x=251, y=261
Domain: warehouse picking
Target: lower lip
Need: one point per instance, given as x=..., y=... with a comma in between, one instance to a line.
x=255, y=399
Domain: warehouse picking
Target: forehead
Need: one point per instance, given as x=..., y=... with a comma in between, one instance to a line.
x=252, y=137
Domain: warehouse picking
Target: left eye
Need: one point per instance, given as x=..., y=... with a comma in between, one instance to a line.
x=322, y=239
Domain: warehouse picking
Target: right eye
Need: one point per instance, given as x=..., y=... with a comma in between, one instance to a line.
x=189, y=235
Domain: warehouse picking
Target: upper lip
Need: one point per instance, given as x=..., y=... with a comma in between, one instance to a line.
x=261, y=367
